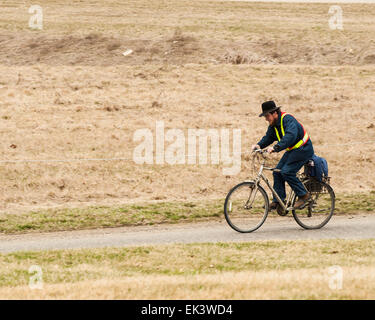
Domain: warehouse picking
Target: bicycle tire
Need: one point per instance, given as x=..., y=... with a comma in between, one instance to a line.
x=242, y=214
x=305, y=217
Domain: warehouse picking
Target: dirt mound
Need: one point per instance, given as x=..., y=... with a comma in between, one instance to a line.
x=309, y=52
x=94, y=49
x=369, y=59
x=246, y=57
x=100, y=50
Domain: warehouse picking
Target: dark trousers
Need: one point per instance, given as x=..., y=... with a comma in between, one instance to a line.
x=290, y=163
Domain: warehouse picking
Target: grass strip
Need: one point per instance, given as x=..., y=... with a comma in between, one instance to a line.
x=145, y=214
x=104, y=216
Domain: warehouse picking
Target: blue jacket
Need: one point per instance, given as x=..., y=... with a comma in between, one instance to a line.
x=293, y=133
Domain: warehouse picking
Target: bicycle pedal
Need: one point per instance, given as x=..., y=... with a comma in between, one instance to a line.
x=281, y=212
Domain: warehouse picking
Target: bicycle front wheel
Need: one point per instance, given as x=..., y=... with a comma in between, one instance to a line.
x=246, y=207
x=320, y=210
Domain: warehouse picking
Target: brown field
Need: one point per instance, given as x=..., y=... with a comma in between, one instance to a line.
x=254, y=270
x=67, y=92
x=70, y=103
x=281, y=285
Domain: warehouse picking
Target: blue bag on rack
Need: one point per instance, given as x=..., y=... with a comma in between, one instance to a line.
x=317, y=167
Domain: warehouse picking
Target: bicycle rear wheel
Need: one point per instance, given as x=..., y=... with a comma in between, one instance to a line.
x=320, y=209
x=246, y=207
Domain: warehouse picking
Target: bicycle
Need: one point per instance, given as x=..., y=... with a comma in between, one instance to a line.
x=246, y=206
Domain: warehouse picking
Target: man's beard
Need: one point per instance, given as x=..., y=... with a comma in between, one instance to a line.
x=273, y=123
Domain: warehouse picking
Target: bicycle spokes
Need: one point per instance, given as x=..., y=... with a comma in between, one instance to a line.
x=253, y=190
x=319, y=209
x=246, y=207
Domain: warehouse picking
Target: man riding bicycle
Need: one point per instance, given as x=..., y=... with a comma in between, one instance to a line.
x=293, y=138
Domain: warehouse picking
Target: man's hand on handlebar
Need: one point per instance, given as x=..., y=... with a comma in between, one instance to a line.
x=270, y=150
x=255, y=147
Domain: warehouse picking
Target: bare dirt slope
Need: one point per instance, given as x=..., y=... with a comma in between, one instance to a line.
x=177, y=47
x=67, y=92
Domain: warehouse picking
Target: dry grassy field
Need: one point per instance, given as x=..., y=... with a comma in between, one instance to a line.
x=255, y=270
x=71, y=102
x=67, y=92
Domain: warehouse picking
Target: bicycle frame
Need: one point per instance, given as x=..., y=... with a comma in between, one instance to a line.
x=264, y=178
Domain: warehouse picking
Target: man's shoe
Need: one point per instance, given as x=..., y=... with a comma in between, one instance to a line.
x=300, y=204
x=273, y=206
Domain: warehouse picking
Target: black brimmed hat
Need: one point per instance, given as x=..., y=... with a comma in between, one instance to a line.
x=267, y=107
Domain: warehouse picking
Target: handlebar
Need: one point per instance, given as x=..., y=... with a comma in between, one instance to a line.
x=264, y=154
x=260, y=151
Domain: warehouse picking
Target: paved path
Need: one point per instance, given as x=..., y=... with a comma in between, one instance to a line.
x=283, y=228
